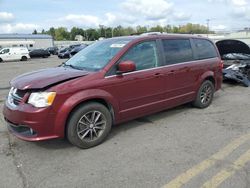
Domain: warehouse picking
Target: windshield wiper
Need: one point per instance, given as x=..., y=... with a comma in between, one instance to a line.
x=71, y=66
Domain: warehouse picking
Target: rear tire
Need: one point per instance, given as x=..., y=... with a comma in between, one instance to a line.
x=89, y=125
x=1, y=61
x=205, y=95
x=24, y=58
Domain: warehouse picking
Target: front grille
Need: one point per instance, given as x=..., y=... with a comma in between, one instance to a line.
x=16, y=96
x=20, y=93
x=16, y=101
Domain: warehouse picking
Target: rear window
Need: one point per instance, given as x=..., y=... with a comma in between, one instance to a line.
x=177, y=51
x=204, y=49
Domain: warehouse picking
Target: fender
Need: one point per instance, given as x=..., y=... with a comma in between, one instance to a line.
x=74, y=100
x=204, y=76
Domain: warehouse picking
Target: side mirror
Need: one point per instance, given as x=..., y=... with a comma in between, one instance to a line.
x=125, y=66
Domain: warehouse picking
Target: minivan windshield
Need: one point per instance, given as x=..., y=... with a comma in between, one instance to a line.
x=96, y=56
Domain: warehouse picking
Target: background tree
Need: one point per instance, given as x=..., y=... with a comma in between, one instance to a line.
x=76, y=31
x=52, y=32
x=34, y=32
x=158, y=28
x=118, y=31
x=109, y=32
x=43, y=31
x=61, y=33
x=168, y=29
x=92, y=34
x=141, y=29
x=175, y=29
x=128, y=31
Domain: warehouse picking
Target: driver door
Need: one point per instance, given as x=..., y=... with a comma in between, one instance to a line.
x=141, y=91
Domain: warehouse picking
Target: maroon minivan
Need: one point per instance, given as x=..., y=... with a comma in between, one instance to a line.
x=112, y=81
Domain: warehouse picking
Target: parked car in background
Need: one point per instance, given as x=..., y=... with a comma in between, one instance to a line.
x=236, y=57
x=15, y=53
x=74, y=46
x=64, y=53
x=232, y=51
x=39, y=53
x=52, y=50
x=77, y=49
x=110, y=82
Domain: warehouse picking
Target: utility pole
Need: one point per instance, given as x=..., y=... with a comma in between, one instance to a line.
x=208, y=20
x=112, y=31
x=102, y=28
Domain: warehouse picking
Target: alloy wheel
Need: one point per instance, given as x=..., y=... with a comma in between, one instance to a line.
x=206, y=94
x=91, y=126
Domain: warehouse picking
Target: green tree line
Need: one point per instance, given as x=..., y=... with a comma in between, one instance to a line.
x=91, y=34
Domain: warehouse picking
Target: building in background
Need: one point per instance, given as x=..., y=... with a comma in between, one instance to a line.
x=79, y=38
x=31, y=41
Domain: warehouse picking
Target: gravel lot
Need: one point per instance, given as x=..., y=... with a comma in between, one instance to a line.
x=183, y=146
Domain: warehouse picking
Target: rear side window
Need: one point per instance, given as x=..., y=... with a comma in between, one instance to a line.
x=204, y=49
x=177, y=51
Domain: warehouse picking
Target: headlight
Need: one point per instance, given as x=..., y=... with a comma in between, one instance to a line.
x=42, y=99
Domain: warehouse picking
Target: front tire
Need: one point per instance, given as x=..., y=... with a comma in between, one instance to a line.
x=1, y=61
x=24, y=58
x=89, y=125
x=205, y=95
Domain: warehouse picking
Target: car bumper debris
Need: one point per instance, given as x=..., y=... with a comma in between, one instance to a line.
x=239, y=72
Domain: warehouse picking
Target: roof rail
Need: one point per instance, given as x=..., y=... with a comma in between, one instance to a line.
x=153, y=33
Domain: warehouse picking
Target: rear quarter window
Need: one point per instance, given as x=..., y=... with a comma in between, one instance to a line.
x=177, y=51
x=204, y=49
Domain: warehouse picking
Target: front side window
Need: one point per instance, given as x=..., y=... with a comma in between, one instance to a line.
x=177, y=51
x=144, y=55
x=204, y=49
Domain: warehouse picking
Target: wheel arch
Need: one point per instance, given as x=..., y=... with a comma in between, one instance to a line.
x=63, y=115
x=24, y=58
x=210, y=78
x=96, y=100
x=209, y=75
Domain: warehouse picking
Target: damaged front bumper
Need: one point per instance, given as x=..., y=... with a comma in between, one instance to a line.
x=239, y=72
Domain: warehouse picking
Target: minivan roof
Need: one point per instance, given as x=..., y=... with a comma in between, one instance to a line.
x=152, y=36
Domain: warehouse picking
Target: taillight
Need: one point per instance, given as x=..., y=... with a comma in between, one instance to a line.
x=221, y=64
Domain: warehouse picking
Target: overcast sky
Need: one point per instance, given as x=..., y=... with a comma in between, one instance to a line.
x=23, y=16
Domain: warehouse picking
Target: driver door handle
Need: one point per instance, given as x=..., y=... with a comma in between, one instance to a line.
x=157, y=75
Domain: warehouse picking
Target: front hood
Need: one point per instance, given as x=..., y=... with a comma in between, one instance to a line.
x=232, y=46
x=45, y=77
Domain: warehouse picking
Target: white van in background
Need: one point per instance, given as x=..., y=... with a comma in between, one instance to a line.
x=15, y=53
